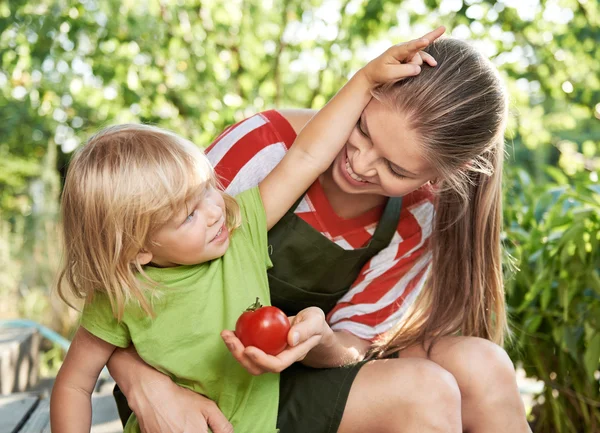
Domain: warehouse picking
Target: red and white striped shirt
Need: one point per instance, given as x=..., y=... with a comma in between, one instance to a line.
x=388, y=284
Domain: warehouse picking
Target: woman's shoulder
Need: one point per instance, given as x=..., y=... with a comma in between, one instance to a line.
x=248, y=150
x=282, y=125
x=297, y=117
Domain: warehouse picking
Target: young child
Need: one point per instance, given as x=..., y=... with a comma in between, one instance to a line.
x=165, y=260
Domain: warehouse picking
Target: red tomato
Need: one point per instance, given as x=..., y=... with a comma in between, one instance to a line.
x=263, y=327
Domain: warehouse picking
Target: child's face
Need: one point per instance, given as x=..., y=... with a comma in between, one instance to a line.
x=194, y=235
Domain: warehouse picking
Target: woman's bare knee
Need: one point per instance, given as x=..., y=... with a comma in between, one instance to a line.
x=403, y=395
x=438, y=398
x=486, y=378
x=483, y=365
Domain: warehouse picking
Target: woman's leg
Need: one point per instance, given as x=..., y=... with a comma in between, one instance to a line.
x=402, y=396
x=486, y=377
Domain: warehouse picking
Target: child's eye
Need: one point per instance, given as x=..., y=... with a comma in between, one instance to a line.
x=190, y=216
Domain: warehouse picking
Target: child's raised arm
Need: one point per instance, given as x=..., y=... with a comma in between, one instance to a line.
x=71, y=401
x=324, y=135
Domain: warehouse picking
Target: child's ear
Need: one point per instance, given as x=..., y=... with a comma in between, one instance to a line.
x=144, y=257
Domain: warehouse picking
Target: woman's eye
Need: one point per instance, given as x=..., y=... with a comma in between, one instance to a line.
x=395, y=173
x=359, y=127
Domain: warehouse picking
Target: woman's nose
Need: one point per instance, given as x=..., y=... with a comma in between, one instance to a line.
x=363, y=163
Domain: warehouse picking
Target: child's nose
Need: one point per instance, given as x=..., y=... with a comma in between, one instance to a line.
x=214, y=213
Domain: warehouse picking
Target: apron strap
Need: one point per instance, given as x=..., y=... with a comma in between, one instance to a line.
x=388, y=223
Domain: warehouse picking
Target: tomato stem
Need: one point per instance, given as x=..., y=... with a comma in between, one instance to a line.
x=255, y=306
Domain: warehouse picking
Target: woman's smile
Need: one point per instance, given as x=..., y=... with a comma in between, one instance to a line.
x=346, y=169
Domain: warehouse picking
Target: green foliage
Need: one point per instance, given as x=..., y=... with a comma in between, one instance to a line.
x=70, y=67
x=553, y=230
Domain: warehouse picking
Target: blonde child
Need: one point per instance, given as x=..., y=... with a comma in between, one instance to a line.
x=166, y=260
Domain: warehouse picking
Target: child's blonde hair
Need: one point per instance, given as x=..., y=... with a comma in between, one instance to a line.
x=121, y=187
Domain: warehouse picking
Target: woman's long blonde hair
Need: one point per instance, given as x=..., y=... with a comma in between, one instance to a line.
x=459, y=108
x=122, y=186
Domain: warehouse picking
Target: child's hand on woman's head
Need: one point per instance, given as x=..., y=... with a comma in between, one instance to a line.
x=308, y=328
x=402, y=60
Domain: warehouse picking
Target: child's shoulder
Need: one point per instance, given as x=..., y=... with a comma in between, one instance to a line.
x=252, y=211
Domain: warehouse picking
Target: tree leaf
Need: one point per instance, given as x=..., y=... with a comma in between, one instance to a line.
x=591, y=358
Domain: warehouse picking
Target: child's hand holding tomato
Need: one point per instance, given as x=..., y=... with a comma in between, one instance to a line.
x=306, y=331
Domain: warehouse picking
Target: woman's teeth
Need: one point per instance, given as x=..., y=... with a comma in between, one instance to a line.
x=218, y=233
x=352, y=174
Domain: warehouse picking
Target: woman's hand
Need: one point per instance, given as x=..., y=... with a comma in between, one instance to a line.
x=160, y=405
x=307, y=331
x=402, y=60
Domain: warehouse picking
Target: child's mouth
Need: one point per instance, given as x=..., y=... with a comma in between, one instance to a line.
x=220, y=234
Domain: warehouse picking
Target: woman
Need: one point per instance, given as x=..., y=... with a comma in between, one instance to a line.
x=359, y=247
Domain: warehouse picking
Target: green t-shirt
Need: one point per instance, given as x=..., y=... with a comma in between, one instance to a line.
x=195, y=304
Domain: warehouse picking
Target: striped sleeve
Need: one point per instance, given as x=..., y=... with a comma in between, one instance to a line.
x=390, y=282
x=245, y=153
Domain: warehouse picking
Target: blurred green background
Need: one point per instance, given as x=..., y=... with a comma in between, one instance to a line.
x=68, y=68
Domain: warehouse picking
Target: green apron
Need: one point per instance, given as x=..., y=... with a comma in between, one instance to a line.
x=311, y=270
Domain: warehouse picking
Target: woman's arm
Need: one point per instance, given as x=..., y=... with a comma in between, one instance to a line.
x=71, y=401
x=337, y=348
x=158, y=403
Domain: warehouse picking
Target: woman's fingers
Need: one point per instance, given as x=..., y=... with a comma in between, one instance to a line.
x=283, y=360
x=298, y=353
x=262, y=360
x=237, y=349
x=216, y=420
x=254, y=360
x=308, y=322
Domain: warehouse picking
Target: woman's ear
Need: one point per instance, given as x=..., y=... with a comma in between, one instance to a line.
x=144, y=257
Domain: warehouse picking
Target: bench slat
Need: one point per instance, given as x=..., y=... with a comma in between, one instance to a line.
x=14, y=408
x=39, y=421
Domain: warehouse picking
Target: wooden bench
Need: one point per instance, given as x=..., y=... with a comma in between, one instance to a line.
x=19, y=359
x=25, y=400
x=30, y=412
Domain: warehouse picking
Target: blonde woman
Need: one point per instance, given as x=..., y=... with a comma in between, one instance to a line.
x=166, y=260
x=411, y=205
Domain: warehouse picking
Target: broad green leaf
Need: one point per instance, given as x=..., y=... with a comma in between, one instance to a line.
x=591, y=358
